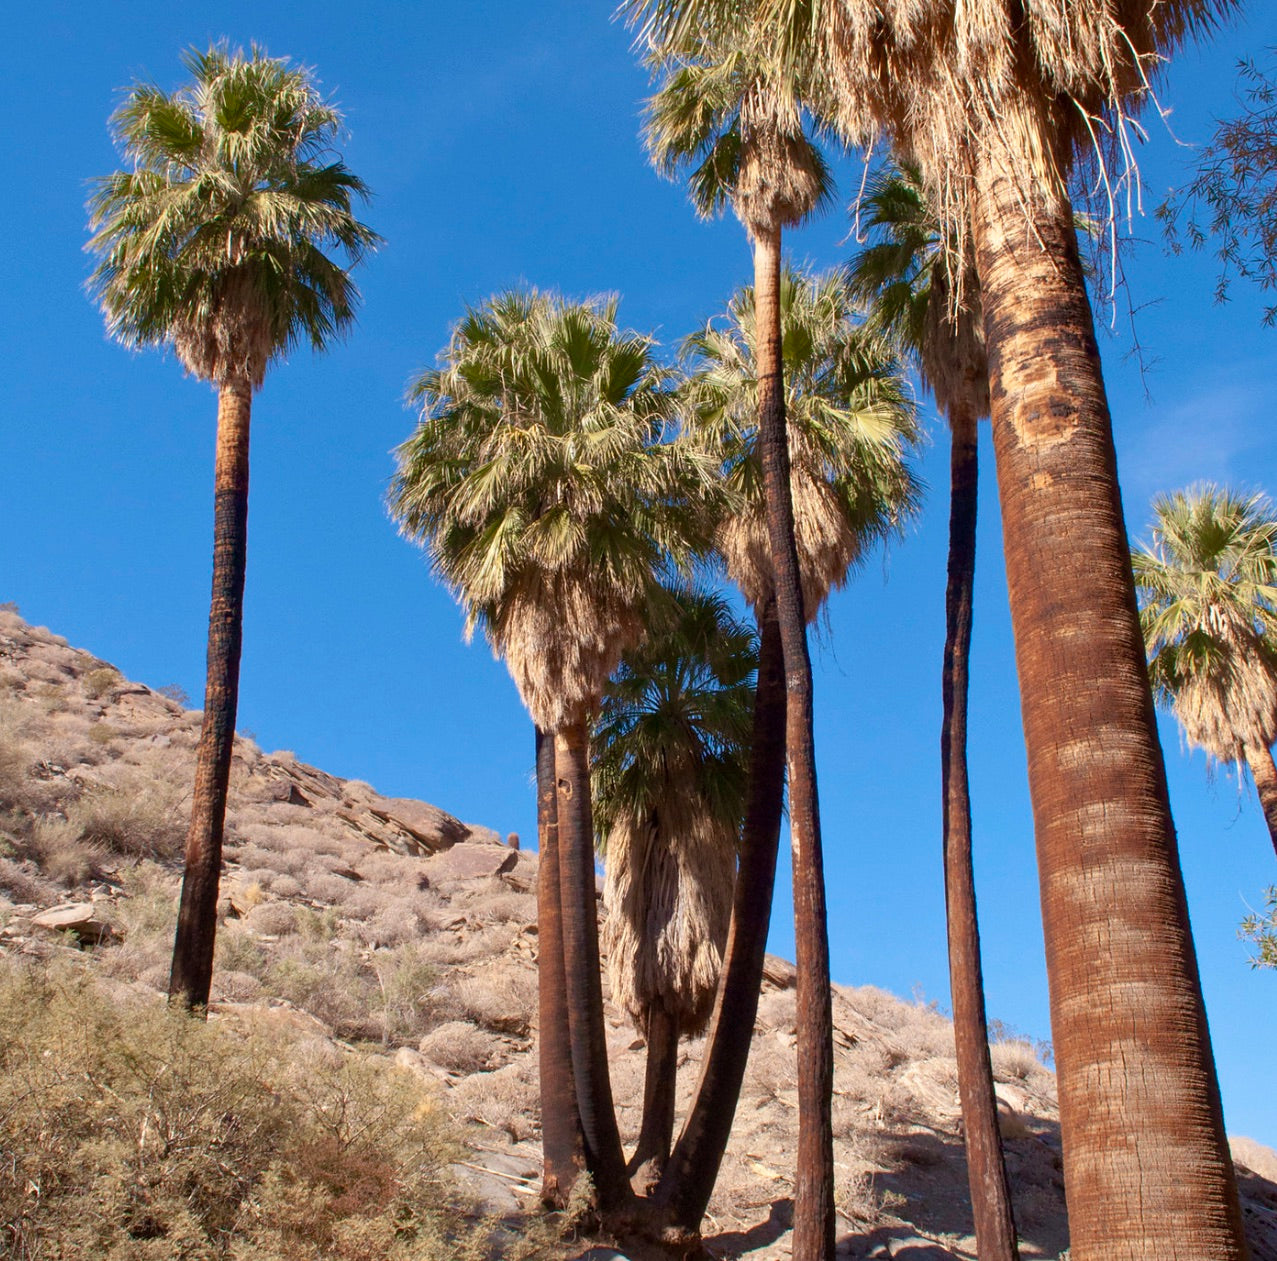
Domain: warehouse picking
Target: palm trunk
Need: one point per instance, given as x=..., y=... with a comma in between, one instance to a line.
x=1147, y=1170
x=561, y=1144
x=986, y=1168
x=192, y=970
x=689, y=1178
x=1264, y=771
x=604, y=1157
x=813, y=1238
x=660, y=1081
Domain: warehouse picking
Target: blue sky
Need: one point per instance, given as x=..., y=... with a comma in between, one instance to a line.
x=501, y=142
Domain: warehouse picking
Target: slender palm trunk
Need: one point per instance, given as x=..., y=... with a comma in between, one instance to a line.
x=1146, y=1165
x=692, y=1170
x=660, y=1080
x=561, y=1145
x=604, y=1157
x=986, y=1168
x=1264, y=771
x=813, y=1237
x=192, y=970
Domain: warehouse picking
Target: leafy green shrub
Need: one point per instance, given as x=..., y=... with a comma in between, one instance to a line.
x=98, y=683
x=133, y=1133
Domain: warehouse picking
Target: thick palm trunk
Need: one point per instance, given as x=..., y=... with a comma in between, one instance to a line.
x=660, y=1080
x=813, y=1237
x=1264, y=771
x=1147, y=1171
x=192, y=970
x=603, y=1155
x=692, y=1170
x=561, y=1146
x=986, y=1168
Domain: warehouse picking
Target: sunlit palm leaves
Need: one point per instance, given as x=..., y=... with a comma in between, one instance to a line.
x=850, y=424
x=214, y=241
x=1208, y=594
x=543, y=484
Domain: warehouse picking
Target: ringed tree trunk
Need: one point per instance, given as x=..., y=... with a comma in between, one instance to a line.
x=688, y=1181
x=660, y=1081
x=561, y=1144
x=813, y=1237
x=1147, y=1169
x=1264, y=771
x=604, y=1157
x=986, y=1168
x=191, y=974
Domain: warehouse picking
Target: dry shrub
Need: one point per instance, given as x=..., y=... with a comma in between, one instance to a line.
x=149, y=1135
x=141, y=816
x=460, y=1046
x=1015, y=1060
x=275, y=919
x=501, y=999
x=23, y=882
x=62, y=854
x=99, y=682
x=506, y=1099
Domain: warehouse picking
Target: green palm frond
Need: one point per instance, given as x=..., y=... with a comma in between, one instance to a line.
x=738, y=124
x=214, y=243
x=1207, y=585
x=850, y=421
x=547, y=489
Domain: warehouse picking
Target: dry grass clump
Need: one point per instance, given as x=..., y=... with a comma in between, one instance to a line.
x=1015, y=1060
x=503, y=999
x=133, y=1134
x=503, y=1100
x=460, y=1046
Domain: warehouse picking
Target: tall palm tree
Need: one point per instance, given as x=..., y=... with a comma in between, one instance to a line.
x=735, y=118
x=540, y=485
x=850, y=425
x=212, y=243
x=1207, y=584
x=904, y=277
x=670, y=751
x=997, y=104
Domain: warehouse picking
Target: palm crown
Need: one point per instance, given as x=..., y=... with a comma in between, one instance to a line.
x=738, y=119
x=214, y=241
x=904, y=278
x=849, y=425
x=670, y=745
x=1208, y=608
x=541, y=484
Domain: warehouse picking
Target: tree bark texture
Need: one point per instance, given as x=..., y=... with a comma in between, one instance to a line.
x=813, y=1238
x=1264, y=773
x=561, y=1145
x=986, y=1168
x=1146, y=1164
x=689, y=1178
x=604, y=1157
x=191, y=974
x=660, y=1080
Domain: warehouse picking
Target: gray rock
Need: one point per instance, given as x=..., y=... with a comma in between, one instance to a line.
x=473, y=862
x=77, y=917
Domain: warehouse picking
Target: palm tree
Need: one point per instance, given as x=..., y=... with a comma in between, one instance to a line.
x=849, y=427
x=904, y=277
x=734, y=117
x=1207, y=584
x=212, y=243
x=997, y=104
x=670, y=745
x=538, y=482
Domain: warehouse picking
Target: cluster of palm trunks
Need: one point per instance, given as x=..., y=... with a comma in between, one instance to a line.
x=543, y=408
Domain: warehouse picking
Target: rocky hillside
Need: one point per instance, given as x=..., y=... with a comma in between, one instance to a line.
x=387, y=928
